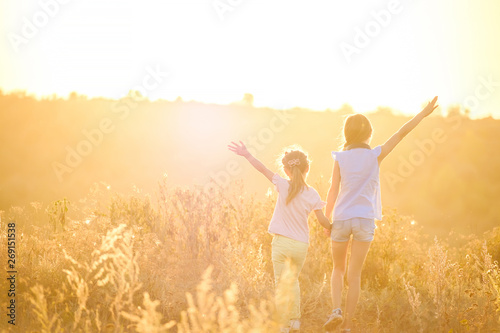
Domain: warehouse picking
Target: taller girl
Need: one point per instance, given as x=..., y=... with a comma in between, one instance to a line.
x=354, y=198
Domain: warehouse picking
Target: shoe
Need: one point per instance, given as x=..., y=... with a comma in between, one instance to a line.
x=334, y=320
x=294, y=325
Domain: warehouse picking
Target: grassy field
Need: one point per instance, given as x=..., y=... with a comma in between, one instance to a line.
x=443, y=173
x=183, y=260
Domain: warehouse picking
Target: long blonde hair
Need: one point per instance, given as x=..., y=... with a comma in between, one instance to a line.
x=296, y=162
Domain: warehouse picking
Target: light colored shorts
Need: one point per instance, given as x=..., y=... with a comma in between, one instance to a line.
x=361, y=229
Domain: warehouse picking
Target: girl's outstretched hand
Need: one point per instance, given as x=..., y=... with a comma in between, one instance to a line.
x=239, y=149
x=431, y=106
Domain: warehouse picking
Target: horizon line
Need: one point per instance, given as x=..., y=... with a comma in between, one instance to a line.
x=241, y=103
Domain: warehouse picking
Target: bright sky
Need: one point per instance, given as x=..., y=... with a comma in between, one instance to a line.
x=312, y=54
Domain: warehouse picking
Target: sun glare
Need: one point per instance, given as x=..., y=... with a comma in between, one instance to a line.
x=341, y=54
x=201, y=126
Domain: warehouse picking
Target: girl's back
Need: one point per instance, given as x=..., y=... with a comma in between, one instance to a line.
x=359, y=194
x=290, y=219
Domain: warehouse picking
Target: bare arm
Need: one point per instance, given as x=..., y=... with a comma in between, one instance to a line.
x=396, y=138
x=241, y=149
x=322, y=219
x=333, y=192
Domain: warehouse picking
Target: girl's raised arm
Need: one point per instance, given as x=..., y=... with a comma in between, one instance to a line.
x=396, y=138
x=241, y=149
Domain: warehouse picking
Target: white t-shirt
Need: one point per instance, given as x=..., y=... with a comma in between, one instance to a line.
x=359, y=194
x=291, y=220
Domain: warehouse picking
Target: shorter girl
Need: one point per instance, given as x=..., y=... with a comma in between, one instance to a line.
x=289, y=226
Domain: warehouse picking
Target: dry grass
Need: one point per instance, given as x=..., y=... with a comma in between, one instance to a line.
x=195, y=262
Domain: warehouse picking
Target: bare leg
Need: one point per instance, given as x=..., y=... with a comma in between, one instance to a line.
x=339, y=253
x=359, y=250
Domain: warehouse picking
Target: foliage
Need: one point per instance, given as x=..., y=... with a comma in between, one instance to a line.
x=196, y=261
x=446, y=162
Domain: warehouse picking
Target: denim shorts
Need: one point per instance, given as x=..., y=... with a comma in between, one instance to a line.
x=361, y=229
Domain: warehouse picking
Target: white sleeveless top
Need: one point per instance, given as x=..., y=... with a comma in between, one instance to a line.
x=359, y=194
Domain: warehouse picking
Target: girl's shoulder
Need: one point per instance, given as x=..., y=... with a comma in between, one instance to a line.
x=312, y=198
x=279, y=182
x=310, y=190
x=336, y=155
x=377, y=150
x=278, y=179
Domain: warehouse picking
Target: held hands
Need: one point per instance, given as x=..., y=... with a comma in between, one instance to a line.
x=431, y=106
x=328, y=232
x=239, y=149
